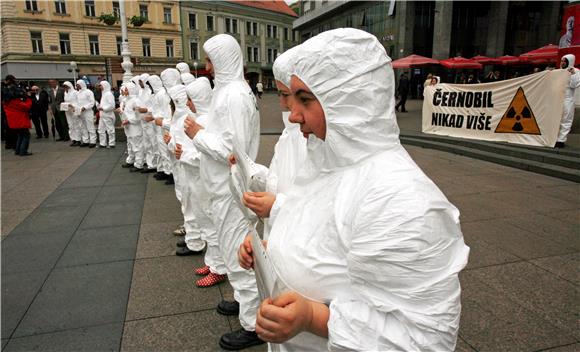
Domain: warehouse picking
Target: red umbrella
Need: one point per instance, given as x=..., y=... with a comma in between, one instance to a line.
x=460, y=62
x=484, y=60
x=508, y=60
x=548, y=53
x=414, y=61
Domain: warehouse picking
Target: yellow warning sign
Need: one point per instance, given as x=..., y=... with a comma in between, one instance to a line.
x=519, y=117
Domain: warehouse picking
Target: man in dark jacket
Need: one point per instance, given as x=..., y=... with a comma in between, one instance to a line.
x=403, y=90
x=56, y=97
x=38, y=111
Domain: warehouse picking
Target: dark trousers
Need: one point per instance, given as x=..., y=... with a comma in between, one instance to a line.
x=61, y=124
x=8, y=134
x=401, y=103
x=40, y=124
x=22, y=141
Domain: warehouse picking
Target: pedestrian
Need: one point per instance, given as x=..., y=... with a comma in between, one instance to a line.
x=72, y=114
x=17, y=104
x=133, y=130
x=567, y=63
x=260, y=89
x=56, y=97
x=106, y=108
x=86, y=101
x=234, y=121
x=366, y=247
x=149, y=140
x=160, y=109
x=403, y=90
x=38, y=111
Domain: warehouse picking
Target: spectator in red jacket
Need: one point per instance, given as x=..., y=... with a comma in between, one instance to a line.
x=16, y=106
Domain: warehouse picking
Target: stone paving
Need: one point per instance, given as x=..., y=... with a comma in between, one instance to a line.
x=91, y=264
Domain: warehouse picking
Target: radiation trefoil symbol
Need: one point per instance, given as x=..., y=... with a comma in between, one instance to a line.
x=519, y=117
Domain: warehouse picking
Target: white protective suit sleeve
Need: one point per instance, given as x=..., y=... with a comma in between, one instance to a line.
x=221, y=147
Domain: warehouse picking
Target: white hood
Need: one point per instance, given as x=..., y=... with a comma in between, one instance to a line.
x=170, y=78
x=346, y=83
x=183, y=67
x=155, y=83
x=82, y=83
x=132, y=88
x=226, y=56
x=187, y=78
x=105, y=86
x=69, y=85
x=284, y=65
x=200, y=94
x=571, y=60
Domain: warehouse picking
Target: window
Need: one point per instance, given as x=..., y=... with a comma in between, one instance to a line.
x=272, y=31
x=231, y=25
x=60, y=7
x=209, y=24
x=36, y=38
x=116, y=11
x=169, y=48
x=286, y=34
x=252, y=54
x=167, y=15
x=272, y=54
x=146, y=42
x=143, y=12
x=251, y=28
x=90, y=8
x=294, y=36
x=119, y=45
x=64, y=40
x=31, y=5
x=194, y=50
x=192, y=21
x=94, y=44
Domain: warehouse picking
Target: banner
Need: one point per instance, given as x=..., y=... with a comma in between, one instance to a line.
x=524, y=110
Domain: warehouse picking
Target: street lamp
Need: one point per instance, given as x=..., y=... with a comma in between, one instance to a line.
x=74, y=69
x=195, y=67
x=127, y=65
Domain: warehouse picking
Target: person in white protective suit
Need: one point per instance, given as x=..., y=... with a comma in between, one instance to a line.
x=186, y=76
x=161, y=109
x=567, y=63
x=180, y=146
x=366, y=248
x=107, y=116
x=72, y=114
x=144, y=103
x=170, y=77
x=133, y=129
x=234, y=122
x=289, y=152
x=86, y=102
x=123, y=97
x=214, y=270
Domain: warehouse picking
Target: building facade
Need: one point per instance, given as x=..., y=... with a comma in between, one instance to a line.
x=440, y=29
x=263, y=31
x=41, y=37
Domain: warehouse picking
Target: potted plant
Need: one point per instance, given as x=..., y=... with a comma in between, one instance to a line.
x=108, y=19
x=137, y=21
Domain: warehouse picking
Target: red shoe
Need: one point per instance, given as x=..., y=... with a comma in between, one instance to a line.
x=210, y=280
x=202, y=271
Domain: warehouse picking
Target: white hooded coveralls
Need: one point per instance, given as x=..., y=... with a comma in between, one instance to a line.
x=363, y=229
x=569, y=106
x=86, y=100
x=160, y=109
x=133, y=130
x=73, y=113
x=184, y=174
x=201, y=94
x=107, y=115
x=290, y=150
x=233, y=121
x=186, y=76
x=149, y=137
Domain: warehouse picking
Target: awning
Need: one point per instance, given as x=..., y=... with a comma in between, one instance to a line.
x=484, y=60
x=509, y=60
x=460, y=63
x=548, y=53
x=37, y=70
x=414, y=61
